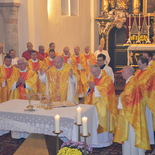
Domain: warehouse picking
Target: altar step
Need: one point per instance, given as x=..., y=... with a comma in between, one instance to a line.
x=35, y=144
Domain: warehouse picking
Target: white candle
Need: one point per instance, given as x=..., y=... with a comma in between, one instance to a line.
x=139, y=19
x=84, y=126
x=78, y=113
x=57, y=123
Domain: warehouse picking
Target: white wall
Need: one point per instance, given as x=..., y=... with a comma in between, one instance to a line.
x=33, y=23
x=70, y=30
x=36, y=26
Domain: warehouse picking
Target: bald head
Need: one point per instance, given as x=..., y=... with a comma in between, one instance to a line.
x=87, y=49
x=76, y=50
x=58, y=62
x=95, y=70
x=127, y=72
x=1, y=48
x=66, y=50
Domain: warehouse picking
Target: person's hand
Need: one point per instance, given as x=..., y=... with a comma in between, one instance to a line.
x=21, y=81
x=91, y=84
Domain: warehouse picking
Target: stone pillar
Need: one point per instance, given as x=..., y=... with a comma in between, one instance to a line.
x=9, y=13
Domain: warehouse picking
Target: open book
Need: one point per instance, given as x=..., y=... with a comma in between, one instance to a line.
x=63, y=104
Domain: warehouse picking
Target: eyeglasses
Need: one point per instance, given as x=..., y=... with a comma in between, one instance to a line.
x=100, y=60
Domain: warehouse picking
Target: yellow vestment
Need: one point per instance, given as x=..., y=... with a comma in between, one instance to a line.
x=31, y=79
x=9, y=81
x=58, y=82
x=133, y=112
x=37, y=66
x=146, y=80
x=79, y=64
x=90, y=60
x=106, y=104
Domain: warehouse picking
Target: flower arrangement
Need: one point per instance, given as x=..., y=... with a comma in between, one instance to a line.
x=74, y=148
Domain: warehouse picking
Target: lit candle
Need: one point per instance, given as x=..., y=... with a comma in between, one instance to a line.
x=78, y=112
x=139, y=19
x=84, y=126
x=57, y=123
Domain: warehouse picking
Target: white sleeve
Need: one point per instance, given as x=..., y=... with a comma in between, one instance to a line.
x=13, y=86
x=96, y=92
x=42, y=78
x=120, y=106
x=73, y=79
x=27, y=86
x=79, y=67
x=3, y=84
x=72, y=88
x=107, y=58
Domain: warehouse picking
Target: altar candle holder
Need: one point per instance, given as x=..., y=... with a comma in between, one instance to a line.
x=57, y=140
x=79, y=138
x=85, y=143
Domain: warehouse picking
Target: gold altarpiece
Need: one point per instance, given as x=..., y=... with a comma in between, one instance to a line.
x=115, y=22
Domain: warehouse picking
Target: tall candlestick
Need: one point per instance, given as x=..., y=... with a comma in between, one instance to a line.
x=57, y=123
x=139, y=19
x=129, y=19
x=78, y=110
x=84, y=126
x=148, y=19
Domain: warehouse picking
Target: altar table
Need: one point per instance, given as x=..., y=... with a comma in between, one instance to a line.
x=14, y=118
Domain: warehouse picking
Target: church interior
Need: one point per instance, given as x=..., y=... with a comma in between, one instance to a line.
x=125, y=29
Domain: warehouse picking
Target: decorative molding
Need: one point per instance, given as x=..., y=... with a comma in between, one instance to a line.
x=9, y=4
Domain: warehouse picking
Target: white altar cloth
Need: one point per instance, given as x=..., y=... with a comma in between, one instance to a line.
x=14, y=118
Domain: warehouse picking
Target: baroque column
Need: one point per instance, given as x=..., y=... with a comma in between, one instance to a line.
x=136, y=7
x=9, y=13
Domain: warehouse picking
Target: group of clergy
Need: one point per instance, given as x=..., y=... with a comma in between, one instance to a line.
x=68, y=77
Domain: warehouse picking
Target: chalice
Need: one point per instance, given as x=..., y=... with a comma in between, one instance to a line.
x=40, y=96
x=30, y=106
x=48, y=102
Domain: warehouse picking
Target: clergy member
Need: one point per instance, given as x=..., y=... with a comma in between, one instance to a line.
x=1, y=54
x=132, y=126
x=27, y=82
x=49, y=61
x=101, y=93
x=61, y=82
x=146, y=79
x=66, y=55
x=90, y=59
x=34, y=63
x=101, y=58
x=101, y=51
x=12, y=53
x=42, y=55
x=78, y=63
x=8, y=75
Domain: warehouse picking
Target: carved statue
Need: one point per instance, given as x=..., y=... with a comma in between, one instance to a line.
x=122, y=4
